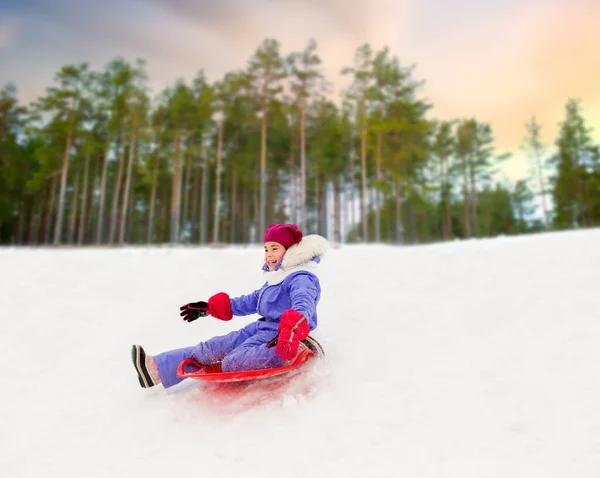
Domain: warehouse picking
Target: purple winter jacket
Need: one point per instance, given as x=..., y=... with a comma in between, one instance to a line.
x=292, y=285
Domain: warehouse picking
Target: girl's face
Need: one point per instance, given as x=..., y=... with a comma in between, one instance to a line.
x=273, y=254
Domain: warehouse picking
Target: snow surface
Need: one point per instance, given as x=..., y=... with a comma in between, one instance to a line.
x=469, y=359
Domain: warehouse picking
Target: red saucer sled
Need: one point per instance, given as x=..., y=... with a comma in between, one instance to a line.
x=213, y=373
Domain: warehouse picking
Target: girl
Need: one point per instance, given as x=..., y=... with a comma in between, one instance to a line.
x=287, y=303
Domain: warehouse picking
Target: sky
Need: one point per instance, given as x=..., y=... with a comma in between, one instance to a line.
x=467, y=359
x=499, y=61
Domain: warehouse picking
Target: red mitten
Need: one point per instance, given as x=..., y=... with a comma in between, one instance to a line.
x=219, y=306
x=293, y=327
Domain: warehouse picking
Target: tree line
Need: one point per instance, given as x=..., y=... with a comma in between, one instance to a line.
x=98, y=160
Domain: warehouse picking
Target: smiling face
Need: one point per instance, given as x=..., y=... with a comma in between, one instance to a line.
x=273, y=254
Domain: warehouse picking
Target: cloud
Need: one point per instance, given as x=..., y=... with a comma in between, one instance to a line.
x=233, y=14
x=327, y=20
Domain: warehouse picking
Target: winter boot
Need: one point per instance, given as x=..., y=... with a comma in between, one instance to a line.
x=145, y=366
x=315, y=346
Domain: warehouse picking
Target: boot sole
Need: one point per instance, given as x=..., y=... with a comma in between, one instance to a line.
x=138, y=357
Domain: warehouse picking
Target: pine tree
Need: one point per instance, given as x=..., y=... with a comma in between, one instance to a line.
x=362, y=81
x=575, y=153
x=68, y=104
x=305, y=77
x=266, y=69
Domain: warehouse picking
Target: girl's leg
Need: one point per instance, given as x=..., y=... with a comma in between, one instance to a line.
x=215, y=349
x=253, y=354
x=167, y=363
x=208, y=352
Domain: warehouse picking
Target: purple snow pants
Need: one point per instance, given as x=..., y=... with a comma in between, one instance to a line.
x=244, y=349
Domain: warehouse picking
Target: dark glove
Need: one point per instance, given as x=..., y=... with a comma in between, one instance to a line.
x=194, y=310
x=219, y=306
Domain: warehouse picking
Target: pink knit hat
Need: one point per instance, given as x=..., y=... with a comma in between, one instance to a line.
x=285, y=234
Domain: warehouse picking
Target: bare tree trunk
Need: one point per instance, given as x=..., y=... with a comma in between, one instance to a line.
x=176, y=192
x=21, y=218
x=33, y=228
x=50, y=212
x=443, y=200
x=377, y=192
x=474, y=201
x=74, y=203
x=245, y=210
x=194, y=237
x=271, y=209
x=324, y=207
x=63, y=187
x=399, y=225
x=34, y=232
x=249, y=216
x=317, y=200
x=92, y=216
x=589, y=204
x=233, y=202
x=84, y=213
x=448, y=221
x=103, y=192
x=352, y=189
x=337, y=237
x=342, y=211
x=303, y=165
x=204, y=202
x=538, y=163
x=294, y=203
x=164, y=216
x=447, y=203
x=580, y=217
x=187, y=190
x=467, y=212
x=256, y=212
x=218, y=182
x=466, y=199
x=38, y=238
x=372, y=195
x=130, y=224
x=131, y=161
x=151, y=206
x=363, y=164
x=263, y=166
x=488, y=215
x=117, y=190
x=410, y=209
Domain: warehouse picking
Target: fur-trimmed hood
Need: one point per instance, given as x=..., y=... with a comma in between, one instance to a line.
x=309, y=247
x=303, y=256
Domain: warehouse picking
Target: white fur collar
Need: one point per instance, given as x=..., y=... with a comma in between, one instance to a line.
x=299, y=258
x=310, y=246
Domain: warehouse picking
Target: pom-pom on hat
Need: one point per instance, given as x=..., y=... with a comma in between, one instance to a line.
x=285, y=234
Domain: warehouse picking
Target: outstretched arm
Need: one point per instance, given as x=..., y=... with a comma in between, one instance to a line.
x=245, y=304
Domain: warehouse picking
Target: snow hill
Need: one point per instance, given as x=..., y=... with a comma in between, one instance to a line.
x=469, y=359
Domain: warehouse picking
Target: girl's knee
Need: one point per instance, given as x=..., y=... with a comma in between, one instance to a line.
x=233, y=362
x=248, y=359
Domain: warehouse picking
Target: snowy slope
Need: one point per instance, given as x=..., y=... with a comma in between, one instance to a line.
x=469, y=359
